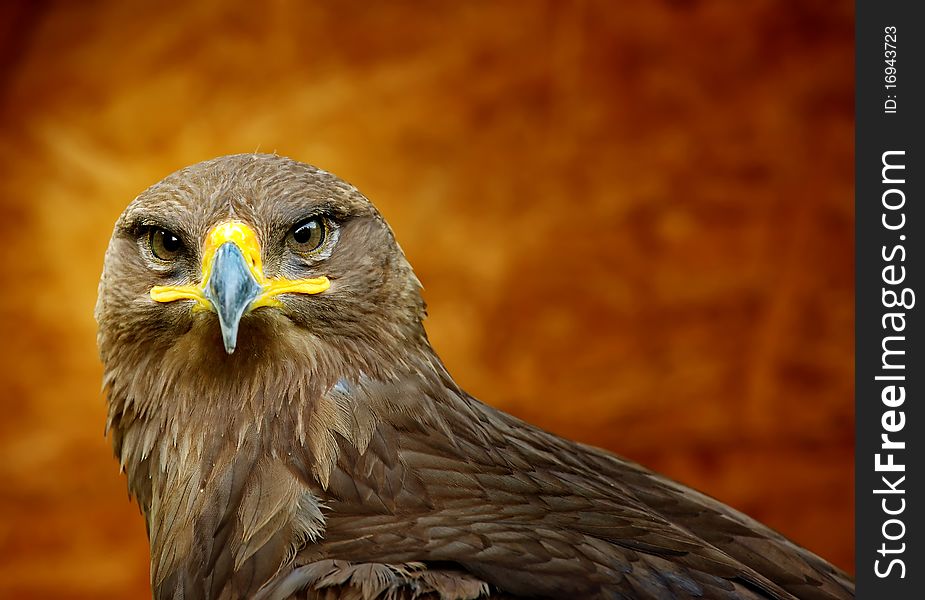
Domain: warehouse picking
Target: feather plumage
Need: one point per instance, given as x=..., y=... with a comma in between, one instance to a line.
x=332, y=455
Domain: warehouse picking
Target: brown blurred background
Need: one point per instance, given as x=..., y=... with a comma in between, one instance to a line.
x=633, y=222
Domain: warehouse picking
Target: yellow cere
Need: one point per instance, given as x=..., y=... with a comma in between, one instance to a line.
x=240, y=234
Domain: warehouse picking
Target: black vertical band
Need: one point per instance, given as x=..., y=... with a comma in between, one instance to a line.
x=890, y=365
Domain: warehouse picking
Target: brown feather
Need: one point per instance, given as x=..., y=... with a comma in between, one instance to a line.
x=332, y=455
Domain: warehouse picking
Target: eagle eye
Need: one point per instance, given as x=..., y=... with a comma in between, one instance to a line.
x=308, y=235
x=164, y=245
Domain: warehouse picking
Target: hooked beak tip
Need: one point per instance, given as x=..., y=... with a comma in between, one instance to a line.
x=230, y=341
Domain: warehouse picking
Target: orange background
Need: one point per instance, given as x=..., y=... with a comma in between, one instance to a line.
x=633, y=221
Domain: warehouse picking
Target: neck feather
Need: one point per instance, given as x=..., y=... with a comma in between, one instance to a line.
x=223, y=457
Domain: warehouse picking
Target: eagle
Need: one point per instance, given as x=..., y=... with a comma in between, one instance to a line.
x=288, y=431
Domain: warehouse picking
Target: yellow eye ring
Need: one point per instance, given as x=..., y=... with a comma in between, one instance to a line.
x=308, y=235
x=164, y=245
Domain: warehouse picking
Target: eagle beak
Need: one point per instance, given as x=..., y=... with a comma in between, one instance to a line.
x=233, y=282
x=231, y=289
